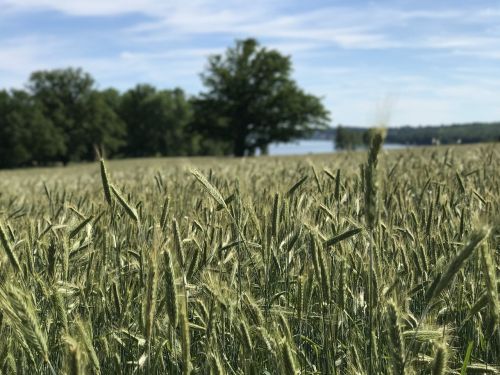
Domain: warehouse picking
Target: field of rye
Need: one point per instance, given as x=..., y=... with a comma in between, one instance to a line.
x=349, y=263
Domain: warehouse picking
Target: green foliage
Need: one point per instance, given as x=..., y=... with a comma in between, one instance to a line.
x=251, y=100
x=352, y=137
x=453, y=133
x=60, y=118
x=105, y=129
x=346, y=139
x=156, y=122
x=69, y=101
x=27, y=137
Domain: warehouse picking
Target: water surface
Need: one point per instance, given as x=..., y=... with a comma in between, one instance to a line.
x=308, y=146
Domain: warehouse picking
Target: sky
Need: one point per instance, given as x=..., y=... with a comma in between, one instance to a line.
x=401, y=62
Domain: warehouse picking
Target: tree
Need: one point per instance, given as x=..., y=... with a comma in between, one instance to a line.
x=251, y=100
x=13, y=150
x=156, y=121
x=349, y=139
x=106, y=130
x=69, y=100
x=27, y=137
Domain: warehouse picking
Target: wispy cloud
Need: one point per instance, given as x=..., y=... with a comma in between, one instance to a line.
x=21, y=55
x=83, y=8
x=433, y=57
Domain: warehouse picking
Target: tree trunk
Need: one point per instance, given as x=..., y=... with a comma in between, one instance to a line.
x=264, y=149
x=240, y=146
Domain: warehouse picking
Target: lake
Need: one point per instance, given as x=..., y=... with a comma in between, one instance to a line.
x=309, y=146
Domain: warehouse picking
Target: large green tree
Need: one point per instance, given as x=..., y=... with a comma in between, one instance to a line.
x=251, y=100
x=70, y=101
x=156, y=121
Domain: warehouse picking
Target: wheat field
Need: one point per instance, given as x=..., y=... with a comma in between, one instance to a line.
x=351, y=263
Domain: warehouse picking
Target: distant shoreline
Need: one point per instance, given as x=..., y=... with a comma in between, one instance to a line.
x=426, y=135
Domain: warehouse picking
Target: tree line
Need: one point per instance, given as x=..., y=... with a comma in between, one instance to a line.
x=250, y=101
x=353, y=137
x=446, y=134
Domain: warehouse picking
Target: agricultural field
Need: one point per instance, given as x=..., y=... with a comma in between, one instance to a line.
x=349, y=263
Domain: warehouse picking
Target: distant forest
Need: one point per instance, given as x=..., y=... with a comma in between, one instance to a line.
x=351, y=136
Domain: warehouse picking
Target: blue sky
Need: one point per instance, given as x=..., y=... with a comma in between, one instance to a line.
x=405, y=62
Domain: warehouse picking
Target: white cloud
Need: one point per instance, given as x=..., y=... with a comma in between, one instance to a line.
x=489, y=12
x=461, y=41
x=21, y=56
x=171, y=49
x=493, y=54
x=368, y=26
x=82, y=7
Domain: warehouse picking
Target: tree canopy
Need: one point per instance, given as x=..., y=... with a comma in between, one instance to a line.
x=26, y=135
x=71, y=103
x=156, y=122
x=251, y=100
